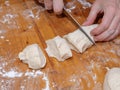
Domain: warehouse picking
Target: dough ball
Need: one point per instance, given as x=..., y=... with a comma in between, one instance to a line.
x=78, y=41
x=112, y=79
x=33, y=56
x=58, y=48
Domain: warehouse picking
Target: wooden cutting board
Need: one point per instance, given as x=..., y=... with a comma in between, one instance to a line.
x=24, y=22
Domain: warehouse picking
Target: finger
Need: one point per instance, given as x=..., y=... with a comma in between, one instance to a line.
x=106, y=21
x=48, y=4
x=58, y=6
x=111, y=32
x=116, y=33
x=114, y=25
x=104, y=35
x=93, y=14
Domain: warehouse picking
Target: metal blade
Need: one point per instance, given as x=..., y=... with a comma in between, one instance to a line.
x=77, y=23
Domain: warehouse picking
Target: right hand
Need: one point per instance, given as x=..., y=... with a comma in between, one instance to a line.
x=56, y=5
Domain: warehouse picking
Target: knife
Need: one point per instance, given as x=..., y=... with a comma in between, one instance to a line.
x=77, y=23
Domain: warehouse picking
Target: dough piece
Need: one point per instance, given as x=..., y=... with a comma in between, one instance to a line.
x=33, y=56
x=112, y=79
x=78, y=41
x=58, y=48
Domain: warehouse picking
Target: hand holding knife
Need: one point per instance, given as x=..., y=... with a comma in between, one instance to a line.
x=77, y=23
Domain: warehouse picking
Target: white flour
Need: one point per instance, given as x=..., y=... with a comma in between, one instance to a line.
x=70, y=6
x=33, y=73
x=2, y=37
x=85, y=3
x=47, y=82
x=11, y=74
x=30, y=74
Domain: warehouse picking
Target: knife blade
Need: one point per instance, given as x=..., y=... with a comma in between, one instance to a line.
x=77, y=24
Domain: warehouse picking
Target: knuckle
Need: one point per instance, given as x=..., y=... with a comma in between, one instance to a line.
x=112, y=8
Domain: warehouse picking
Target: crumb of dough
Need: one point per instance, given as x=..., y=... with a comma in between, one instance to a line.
x=33, y=56
x=58, y=48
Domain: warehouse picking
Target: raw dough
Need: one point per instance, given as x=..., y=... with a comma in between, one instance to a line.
x=112, y=79
x=78, y=41
x=33, y=56
x=58, y=48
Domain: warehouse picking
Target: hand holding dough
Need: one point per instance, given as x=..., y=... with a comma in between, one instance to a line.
x=78, y=41
x=33, y=56
x=112, y=79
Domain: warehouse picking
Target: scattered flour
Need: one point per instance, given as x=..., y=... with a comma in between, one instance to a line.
x=7, y=84
x=30, y=74
x=9, y=20
x=2, y=37
x=85, y=3
x=37, y=73
x=33, y=73
x=22, y=87
x=37, y=11
x=47, y=82
x=28, y=13
x=12, y=74
x=71, y=6
x=98, y=86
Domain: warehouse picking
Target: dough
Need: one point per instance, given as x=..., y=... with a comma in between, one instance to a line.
x=112, y=79
x=78, y=41
x=33, y=56
x=58, y=48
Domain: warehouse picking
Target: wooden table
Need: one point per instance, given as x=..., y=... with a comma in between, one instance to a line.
x=23, y=22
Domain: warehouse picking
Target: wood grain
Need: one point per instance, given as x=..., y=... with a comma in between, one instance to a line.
x=24, y=22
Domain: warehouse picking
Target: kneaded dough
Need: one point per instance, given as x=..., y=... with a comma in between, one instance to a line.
x=33, y=56
x=58, y=48
x=78, y=41
x=112, y=79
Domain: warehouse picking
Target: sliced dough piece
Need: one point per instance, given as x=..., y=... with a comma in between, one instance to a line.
x=33, y=56
x=78, y=41
x=112, y=79
x=58, y=48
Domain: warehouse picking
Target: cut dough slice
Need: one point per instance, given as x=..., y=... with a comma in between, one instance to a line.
x=58, y=48
x=112, y=79
x=33, y=56
x=78, y=41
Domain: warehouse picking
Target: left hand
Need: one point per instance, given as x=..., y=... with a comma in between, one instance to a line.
x=56, y=5
x=109, y=28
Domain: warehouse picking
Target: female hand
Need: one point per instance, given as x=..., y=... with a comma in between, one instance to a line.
x=56, y=5
x=109, y=28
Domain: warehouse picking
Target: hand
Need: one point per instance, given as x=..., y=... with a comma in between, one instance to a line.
x=109, y=28
x=56, y=5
